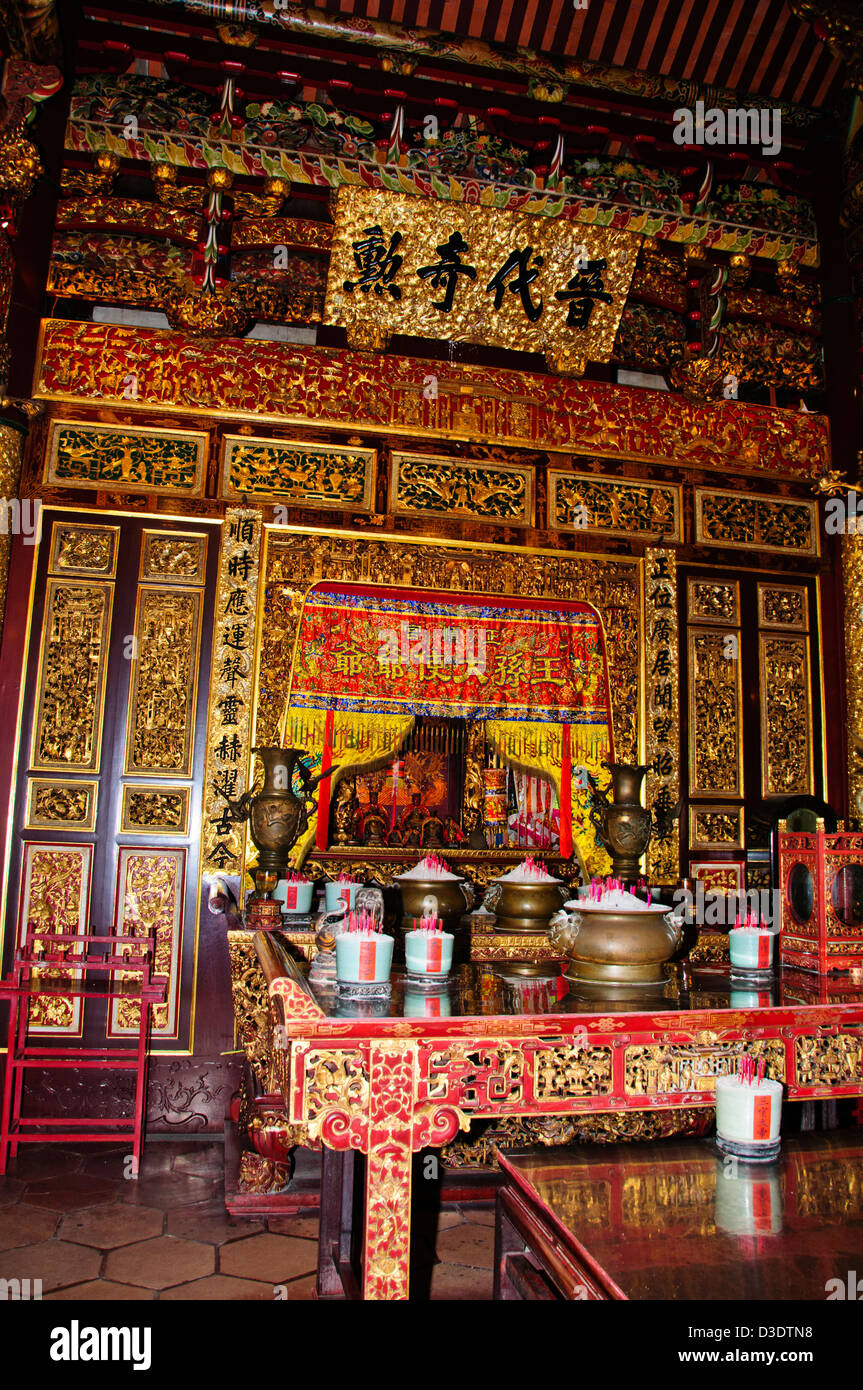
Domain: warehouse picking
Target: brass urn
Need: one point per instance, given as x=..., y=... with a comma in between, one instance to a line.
x=525, y=907
x=277, y=816
x=623, y=826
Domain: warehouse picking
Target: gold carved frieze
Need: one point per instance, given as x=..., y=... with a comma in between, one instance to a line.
x=251, y=1004
x=61, y=804
x=465, y=273
x=80, y=549
x=125, y=458
x=299, y=474
x=67, y=729
x=296, y=560
x=150, y=887
x=715, y=827
x=174, y=557
x=662, y=709
x=229, y=718
x=746, y=521
x=154, y=810
x=672, y=1068
x=783, y=606
x=613, y=507
x=429, y=485
x=715, y=712
x=829, y=1061
x=55, y=898
x=259, y=381
x=713, y=601
x=571, y=1070
x=333, y=1079
x=164, y=682
x=786, y=715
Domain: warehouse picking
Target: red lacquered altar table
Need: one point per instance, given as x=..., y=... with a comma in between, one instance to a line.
x=383, y=1080
x=676, y=1221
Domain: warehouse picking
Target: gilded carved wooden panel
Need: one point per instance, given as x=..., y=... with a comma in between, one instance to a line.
x=786, y=715
x=714, y=601
x=748, y=521
x=852, y=575
x=163, y=683
x=430, y=485
x=67, y=729
x=80, y=549
x=150, y=888
x=154, y=810
x=715, y=735
x=715, y=827
x=613, y=507
x=125, y=458
x=55, y=897
x=174, y=557
x=61, y=804
x=298, y=473
x=783, y=606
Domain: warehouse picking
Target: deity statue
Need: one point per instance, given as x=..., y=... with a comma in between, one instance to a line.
x=345, y=810
x=372, y=823
x=432, y=832
x=412, y=821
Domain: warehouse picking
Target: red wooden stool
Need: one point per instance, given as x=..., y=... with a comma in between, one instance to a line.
x=82, y=956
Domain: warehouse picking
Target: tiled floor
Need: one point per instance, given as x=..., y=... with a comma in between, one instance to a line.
x=69, y=1218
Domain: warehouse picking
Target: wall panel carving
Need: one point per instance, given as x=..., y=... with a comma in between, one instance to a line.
x=58, y=804
x=70, y=697
x=430, y=485
x=746, y=521
x=154, y=810
x=125, y=459
x=298, y=474
x=163, y=683
x=715, y=734
x=786, y=715
x=611, y=507
x=55, y=897
x=150, y=888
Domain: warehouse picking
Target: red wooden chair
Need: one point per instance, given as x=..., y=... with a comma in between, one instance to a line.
x=115, y=958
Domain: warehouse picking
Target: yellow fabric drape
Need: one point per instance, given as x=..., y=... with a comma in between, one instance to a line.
x=360, y=741
x=537, y=748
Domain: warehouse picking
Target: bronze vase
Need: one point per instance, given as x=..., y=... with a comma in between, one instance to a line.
x=277, y=816
x=623, y=825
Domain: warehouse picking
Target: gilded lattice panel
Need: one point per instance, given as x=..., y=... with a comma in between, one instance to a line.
x=55, y=897
x=829, y=1061
x=430, y=485
x=79, y=549
x=229, y=720
x=665, y=1068
x=783, y=606
x=662, y=707
x=715, y=737
x=67, y=730
x=296, y=560
x=747, y=521
x=57, y=804
x=174, y=557
x=786, y=715
x=154, y=810
x=163, y=683
x=125, y=459
x=613, y=507
x=298, y=474
x=150, y=888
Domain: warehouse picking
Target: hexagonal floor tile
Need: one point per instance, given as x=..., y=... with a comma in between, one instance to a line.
x=159, y=1263
x=167, y=1191
x=55, y=1262
x=467, y=1245
x=108, y=1227
x=97, y=1290
x=36, y=1161
x=302, y=1226
x=456, y=1284
x=208, y=1161
x=219, y=1287
x=21, y=1225
x=71, y=1192
x=269, y=1257
x=208, y=1221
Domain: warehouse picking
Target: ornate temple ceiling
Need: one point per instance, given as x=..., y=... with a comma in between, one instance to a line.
x=748, y=45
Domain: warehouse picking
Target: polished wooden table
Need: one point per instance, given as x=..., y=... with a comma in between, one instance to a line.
x=389, y=1078
x=677, y=1221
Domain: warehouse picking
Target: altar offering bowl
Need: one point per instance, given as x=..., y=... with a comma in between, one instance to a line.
x=522, y=908
x=618, y=947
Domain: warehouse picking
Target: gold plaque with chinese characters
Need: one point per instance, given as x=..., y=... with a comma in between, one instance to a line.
x=462, y=273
